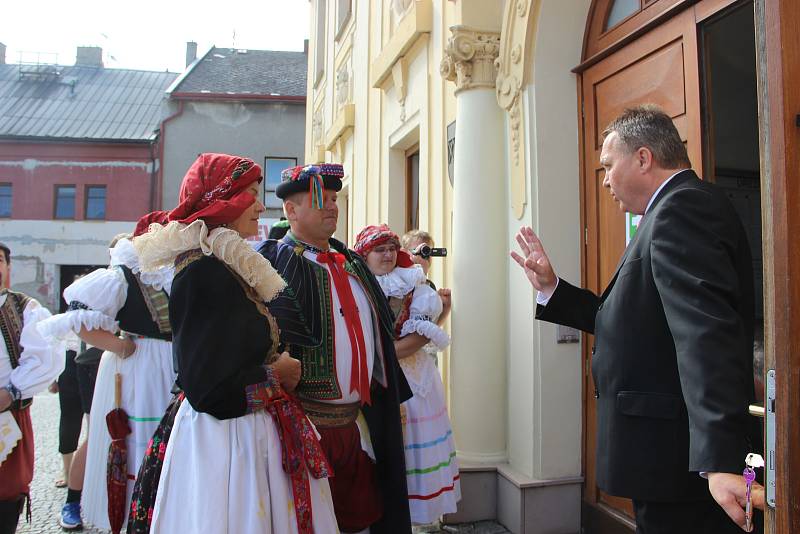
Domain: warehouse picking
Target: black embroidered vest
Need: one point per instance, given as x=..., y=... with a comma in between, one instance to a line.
x=11, y=323
x=146, y=309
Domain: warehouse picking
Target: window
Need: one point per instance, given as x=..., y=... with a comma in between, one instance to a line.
x=342, y=228
x=95, y=202
x=343, y=9
x=65, y=202
x=621, y=10
x=412, y=189
x=451, y=149
x=5, y=200
x=319, y=43
x=272, y=177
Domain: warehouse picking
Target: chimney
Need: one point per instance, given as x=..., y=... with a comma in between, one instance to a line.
x=191, y=52
x=89, y=56
x=2, y=54
x=305, y=46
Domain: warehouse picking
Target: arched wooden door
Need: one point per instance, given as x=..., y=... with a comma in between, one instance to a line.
x=647, y=54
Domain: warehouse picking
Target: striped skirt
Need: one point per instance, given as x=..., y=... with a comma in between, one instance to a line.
x=431, y=466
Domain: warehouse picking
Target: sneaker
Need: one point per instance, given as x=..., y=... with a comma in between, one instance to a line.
x=71, y=516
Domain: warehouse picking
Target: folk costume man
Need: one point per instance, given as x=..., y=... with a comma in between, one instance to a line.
x=28, y=364
x=334, y=318
x=673, y=362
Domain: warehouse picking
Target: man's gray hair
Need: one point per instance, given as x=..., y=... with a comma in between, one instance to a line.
x=649, y=127
x=416, y=235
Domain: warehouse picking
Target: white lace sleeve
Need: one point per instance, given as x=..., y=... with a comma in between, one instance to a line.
x=41, y=361
x=94, y=302
x=426, y=306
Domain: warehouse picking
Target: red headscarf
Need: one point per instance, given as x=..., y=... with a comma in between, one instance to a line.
x=214, y=189
x=374, y=236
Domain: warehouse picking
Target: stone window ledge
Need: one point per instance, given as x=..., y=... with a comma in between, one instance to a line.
x=417, y=21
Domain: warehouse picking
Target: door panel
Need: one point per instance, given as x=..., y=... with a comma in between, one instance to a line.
x=661, y=67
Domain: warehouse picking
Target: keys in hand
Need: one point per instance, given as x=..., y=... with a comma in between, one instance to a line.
x=752, y=461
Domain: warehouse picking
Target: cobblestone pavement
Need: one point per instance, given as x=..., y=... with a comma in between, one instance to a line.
x=47, y=499
x=481, y=527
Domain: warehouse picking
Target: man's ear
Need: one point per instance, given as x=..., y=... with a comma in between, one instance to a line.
x=645, y=159
x=289, y=210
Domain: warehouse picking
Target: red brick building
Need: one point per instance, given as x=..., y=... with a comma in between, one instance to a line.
x=79, y=163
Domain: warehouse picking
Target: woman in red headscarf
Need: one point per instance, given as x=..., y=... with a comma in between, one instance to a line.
x=432, y=472
x=241, y=455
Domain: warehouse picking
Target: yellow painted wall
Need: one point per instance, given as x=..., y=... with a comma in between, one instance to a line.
x=373, y=149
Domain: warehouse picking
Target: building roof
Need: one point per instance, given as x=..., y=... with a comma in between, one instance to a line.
x=251, y=73
x=81, y=103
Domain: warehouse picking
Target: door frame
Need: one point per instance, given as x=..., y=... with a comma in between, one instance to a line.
x=778, y=71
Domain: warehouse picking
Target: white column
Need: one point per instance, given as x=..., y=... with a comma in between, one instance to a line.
x=478, y=390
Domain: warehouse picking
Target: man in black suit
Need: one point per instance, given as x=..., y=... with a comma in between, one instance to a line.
x=672, y=362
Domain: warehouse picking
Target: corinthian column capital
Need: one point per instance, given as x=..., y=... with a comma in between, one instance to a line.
x=469, y=58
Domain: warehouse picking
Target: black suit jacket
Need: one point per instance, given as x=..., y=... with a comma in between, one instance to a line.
x=672, y=362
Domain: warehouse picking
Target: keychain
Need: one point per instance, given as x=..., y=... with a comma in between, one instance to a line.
x=752, y=461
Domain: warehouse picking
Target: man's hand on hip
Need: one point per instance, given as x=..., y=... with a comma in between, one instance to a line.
x=730, y=492
x=534, y=261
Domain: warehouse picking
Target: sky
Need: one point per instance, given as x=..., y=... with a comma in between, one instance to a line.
x=147, y=34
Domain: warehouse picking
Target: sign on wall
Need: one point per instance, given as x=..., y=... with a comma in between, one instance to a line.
x=631, y=224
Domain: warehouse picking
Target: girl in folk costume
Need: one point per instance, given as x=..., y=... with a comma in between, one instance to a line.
x=240, y=455
x=431, y=468
x=120, y=298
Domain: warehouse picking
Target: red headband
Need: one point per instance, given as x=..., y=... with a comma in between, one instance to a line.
x=374, y=236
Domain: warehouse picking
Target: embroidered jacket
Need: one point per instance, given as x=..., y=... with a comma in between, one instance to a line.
x=305, y=319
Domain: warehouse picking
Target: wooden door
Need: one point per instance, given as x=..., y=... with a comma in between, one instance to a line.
x=778, y=52
x=660, y=67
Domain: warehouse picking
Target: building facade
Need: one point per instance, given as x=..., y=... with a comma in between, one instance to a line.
x=78, y=164
x=469, y=119
x=245, y=102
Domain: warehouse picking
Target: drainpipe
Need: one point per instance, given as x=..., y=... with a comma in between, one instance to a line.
x=153, y=171
x=162, y=142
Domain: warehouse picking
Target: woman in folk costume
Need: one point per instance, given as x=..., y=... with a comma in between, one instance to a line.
x=241, y=456
x=431, y=468
x=120, y=298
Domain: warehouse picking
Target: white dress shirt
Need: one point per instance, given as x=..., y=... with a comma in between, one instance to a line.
x=40, y=362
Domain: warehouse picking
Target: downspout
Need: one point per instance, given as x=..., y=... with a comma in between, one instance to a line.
x=163, y=138
x=153, y=171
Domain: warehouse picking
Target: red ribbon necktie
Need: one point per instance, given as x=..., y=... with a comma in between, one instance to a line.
x=359, y=373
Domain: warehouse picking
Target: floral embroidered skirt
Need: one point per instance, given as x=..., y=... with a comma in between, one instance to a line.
x=146, y=486
x=227, y=476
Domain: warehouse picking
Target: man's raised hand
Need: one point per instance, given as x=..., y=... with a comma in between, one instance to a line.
x=534, y=261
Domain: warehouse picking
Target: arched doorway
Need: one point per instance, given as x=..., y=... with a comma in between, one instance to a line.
x=677, y=54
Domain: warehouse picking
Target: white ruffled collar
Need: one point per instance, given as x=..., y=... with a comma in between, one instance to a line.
x=161, y=244
x=401, y=281
x=125, y=254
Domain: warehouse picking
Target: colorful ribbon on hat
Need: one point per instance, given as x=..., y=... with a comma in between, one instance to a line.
x=315, y=174
x=316, y=193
